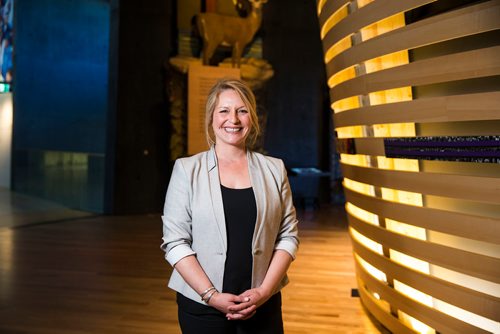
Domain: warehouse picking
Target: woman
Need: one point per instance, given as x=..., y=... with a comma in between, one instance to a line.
x=229, y=225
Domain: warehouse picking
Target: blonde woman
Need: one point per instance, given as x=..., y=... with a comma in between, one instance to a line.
x=229, y=225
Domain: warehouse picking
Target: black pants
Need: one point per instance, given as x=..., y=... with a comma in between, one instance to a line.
x=196, y=318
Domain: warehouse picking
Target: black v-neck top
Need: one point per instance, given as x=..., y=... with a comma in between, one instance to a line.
x=240, y=211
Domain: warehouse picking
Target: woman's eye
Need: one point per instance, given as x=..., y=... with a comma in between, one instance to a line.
x=223, y=110
x=243, y=111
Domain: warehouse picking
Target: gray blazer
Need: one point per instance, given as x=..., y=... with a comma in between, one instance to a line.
x=194, y=223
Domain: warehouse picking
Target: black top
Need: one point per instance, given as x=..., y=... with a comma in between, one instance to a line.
x=240, y=211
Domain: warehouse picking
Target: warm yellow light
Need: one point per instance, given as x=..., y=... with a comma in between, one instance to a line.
x=355, y=159
x=409, y=261
x=394, y=130
x=378, y=274
x=415, y=324
x=321, y=4
x=409, y=165
x=359, y=187
x=342, y=45
x=403, y=197
x=386, y=61
x=341, y=76
x=383, y=26
x=356, y=131
x=346, y=104
x=390, y=96
x=335, y=18
x=361, y=214
x=488, y=325
x=362, y=3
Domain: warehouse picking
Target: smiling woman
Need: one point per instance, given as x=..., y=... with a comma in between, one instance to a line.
x=229, y=225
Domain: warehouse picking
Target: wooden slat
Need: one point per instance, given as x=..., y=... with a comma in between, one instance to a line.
x=369, y=14
x=455, y=24
x=456, y=295
x=472, y=264
x=329, y=9
x=441, y=322
x=370, y=146
x=458, y=66
x=463, y=225
x=387, y=319
x=464, y=128
x=468, y=107
x=474, y=188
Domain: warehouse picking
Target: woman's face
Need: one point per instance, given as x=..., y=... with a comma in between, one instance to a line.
x=231, y=120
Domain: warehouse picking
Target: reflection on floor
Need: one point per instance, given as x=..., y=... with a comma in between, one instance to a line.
x=17, y=210
x=106, y=274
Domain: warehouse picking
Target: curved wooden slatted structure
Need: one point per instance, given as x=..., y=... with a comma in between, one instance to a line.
x=465, y=22
x=429, y=71
x=454, y=108
x=468, y=299
x=420, y=80
x=486, y=189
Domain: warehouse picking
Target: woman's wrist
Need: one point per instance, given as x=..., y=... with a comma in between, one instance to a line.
x=265, y=292
x=210, y=297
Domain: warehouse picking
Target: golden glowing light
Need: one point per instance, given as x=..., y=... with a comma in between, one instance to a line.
x=362, y=188
x=335, y=18
x=342, y=45
x=378, y=274
x=321, y=4
x=341, y=76
x=356, y=131
x=346, y=104
x=362, y=3
x=381, y=27
x=361, y=214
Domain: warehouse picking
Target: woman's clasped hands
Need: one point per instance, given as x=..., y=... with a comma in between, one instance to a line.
x=240, y=307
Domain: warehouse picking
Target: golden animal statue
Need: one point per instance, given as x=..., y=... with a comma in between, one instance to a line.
x=217, y=29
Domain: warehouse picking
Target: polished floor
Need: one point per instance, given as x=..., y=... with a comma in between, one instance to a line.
x=65, y=271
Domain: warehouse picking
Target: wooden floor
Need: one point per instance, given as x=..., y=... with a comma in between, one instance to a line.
x=107, y=274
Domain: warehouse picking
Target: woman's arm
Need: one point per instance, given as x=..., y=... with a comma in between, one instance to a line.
x=194, y=275
x=177, y=239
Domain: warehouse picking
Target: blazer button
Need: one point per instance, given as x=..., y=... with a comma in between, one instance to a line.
x=257, y=252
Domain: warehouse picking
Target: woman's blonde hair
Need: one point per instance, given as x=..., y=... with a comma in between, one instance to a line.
x=246, y=96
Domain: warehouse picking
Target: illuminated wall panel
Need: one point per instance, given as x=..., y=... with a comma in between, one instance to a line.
x=415, y=96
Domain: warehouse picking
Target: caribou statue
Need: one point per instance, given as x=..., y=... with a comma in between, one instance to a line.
x=217, y=29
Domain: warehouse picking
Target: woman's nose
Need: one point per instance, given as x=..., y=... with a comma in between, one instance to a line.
x=233, y=117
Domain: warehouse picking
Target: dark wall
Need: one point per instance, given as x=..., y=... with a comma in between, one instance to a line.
x=297, y=128
x=60, y=100
x=139, y=170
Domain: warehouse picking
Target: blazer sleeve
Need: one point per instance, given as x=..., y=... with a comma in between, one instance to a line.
x=177, y=234
x=288, y=236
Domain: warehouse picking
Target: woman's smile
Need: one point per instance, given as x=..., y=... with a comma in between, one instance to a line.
x=231, y=120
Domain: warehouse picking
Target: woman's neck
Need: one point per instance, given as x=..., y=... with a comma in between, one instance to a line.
x=230, y=153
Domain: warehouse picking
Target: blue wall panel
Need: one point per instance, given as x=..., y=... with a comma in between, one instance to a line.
x=60, y=100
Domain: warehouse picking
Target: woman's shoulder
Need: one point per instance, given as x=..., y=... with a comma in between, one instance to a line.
x=193, y=160
x=272, y=162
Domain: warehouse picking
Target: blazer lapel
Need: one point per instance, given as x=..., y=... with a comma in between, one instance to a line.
x=216, y=195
